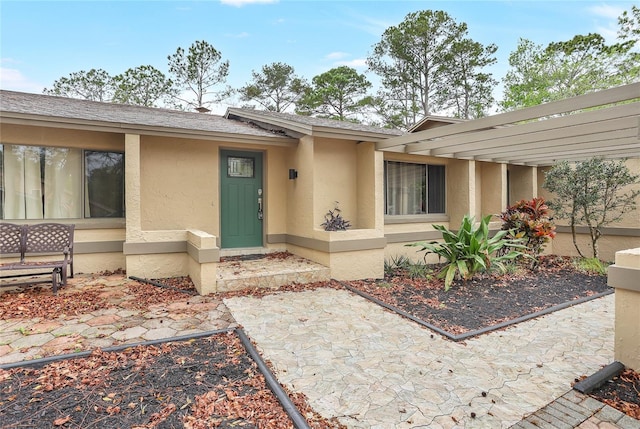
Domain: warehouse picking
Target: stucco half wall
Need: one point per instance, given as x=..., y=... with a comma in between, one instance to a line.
x=623, y=276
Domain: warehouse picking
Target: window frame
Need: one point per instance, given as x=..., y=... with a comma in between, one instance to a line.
x=100, y=222
x=422, y=217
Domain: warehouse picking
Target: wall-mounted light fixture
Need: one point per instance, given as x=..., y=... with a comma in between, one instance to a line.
x=293, y=174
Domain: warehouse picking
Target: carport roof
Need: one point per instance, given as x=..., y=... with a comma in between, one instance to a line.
x=601, y=124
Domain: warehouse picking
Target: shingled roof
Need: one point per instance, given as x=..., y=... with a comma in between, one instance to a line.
x=297, y=125
x=246, y=124
x=49, y=110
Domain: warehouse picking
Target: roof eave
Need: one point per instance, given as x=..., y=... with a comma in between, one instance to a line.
x=120, y=127
x=304, y=129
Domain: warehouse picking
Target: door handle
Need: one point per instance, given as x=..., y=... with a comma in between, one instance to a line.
x=260, y=214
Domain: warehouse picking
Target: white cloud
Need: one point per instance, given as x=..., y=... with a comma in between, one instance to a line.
x=609, y=33
x=240, y=3
x=606, y=20
x=336, y=55
x=373, y=26
x=606, y=11
x=355, y=63
x=12, y=79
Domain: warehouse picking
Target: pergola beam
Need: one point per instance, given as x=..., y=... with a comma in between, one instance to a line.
x=604, y=124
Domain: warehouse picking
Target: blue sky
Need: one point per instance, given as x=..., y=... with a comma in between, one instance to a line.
x=41, y=41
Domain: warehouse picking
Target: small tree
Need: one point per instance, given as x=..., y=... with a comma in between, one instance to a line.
x=592, y=193
x=142, y=86
x=340, y=93
x=95, y=85
x=276, y=87
x=197, y=70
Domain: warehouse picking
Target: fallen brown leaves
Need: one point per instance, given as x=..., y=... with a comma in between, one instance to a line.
x=200, y=383
x=41, y=303
x=622, y=393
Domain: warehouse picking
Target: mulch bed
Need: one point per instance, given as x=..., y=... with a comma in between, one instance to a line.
x=200, y=383
x=489, y=300
x=486, y=300
x=622, y=393
x=154, y=377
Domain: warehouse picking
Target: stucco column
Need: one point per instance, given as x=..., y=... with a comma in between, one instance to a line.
x=493, y=192
x=132, y=187
x=461, y=190
x=623, y=276
x=370, y=186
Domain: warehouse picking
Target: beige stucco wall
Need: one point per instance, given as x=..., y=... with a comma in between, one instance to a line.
x=277, y=185
x=461, y=190
x=523, y=183
x=624, y=277
x=370, y=187
x=179, y=184
x=608, y=245
x=335, y=179
x=61, y=137
x=492, y=188
x=300, y=219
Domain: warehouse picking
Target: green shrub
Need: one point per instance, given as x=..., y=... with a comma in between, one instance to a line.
x=471, y=250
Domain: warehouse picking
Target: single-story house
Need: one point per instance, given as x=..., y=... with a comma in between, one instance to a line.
x=162, y=193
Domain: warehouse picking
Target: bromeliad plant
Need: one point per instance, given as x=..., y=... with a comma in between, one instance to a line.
x=471, y=250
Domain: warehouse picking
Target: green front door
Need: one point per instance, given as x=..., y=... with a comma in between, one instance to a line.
x=241, y=199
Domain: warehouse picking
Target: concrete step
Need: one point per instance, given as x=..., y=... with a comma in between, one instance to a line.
x=267, y=271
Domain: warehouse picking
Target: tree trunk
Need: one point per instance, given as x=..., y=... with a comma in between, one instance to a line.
x=595, y=235
x=573, y=235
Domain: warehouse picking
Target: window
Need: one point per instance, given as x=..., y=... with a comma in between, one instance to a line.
x=48, y=183
x=414, y=189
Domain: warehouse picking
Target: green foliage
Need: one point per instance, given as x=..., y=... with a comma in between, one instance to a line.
x=402, y=265
x=142, y=86
x=197, y=70
x=471, y=250
x=275, y=88
x=583, y=64
x=591, y=266
x=96, y=85
x=395, y=264
x=529, y=220
x=333, y=220
x=594, y=193
x=340, y=93
x=426, y=63
x=468, y=91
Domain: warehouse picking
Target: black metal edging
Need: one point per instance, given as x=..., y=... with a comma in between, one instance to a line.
x=485, y=330
x=272, y=383
x=596, y=380
x=118, y=348
x=288, y=405
x=161, y=285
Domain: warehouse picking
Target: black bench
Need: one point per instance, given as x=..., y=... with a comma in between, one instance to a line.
x=31, y=240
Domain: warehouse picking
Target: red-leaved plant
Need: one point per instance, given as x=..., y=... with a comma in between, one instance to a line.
x=529, y=221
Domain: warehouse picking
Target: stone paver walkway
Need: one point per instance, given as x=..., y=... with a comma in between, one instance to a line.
x=26, y=339
x=366, y=366
x=371, y=368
